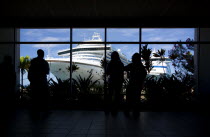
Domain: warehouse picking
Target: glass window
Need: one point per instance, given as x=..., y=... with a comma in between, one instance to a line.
x=167, y=35
x=88, y=35
x=58, y=64
x=123, y=34
x=45, y=35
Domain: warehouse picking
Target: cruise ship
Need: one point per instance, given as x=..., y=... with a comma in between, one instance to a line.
x=160, y=67
x=87, y=57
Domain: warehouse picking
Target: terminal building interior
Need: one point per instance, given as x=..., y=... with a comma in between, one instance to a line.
x=78, y=37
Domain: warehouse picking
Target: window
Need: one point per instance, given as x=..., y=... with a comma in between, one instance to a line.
x=80, y=54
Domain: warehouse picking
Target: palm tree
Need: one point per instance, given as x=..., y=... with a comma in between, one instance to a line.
x=85, y=85
x=160, y=53
x=145, y=54
x=24, y=66
x=74, y=67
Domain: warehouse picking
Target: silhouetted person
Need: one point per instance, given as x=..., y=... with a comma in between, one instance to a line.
x=115, y=72
x=7, y=83
x=137, y=75
x=37, y=75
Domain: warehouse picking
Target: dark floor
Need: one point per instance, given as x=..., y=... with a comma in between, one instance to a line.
x=76, y=123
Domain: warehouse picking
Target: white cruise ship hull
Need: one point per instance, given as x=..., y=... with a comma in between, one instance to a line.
x=59, y=69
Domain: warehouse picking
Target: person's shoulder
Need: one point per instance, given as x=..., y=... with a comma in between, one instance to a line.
x=34, y=59
x=45, y=61
x=131, y=64
x=121, y=64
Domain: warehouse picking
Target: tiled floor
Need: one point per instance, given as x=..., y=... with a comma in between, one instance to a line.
x=75, y=123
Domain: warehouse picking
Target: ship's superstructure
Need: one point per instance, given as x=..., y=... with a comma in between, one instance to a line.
x=88, y=58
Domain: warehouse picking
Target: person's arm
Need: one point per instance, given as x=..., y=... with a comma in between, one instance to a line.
x=30, y=71
x=144, y=72
x=48, y=68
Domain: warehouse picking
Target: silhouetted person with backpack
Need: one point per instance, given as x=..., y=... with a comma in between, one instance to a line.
x=137, y=75
x=37, y=75
x=115, y=73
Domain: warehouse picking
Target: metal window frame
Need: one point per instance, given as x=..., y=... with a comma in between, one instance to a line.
x=71, y=42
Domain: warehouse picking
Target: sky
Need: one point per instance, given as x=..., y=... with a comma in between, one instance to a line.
x=113, y=35
x=132, y=34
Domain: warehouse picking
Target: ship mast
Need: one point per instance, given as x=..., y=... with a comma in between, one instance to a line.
x=96, y=36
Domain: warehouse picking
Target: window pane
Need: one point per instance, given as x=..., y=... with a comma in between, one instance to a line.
x=170, y=60
x=160, y=66
x=45, y=35
x=163, y=34
x=125, y=52
x=87, y=60
x=92, y=35
x=58, y=63
x=123, y=34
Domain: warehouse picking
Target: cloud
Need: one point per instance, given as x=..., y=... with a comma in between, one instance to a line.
x=125, y=32
x=57, y=39
x=45, y=34
x=148, y=30
x=167, y=34
x=45, y=46
x=58, y=30
x=130, y=32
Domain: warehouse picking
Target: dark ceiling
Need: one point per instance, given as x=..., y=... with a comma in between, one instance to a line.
x=105, y=12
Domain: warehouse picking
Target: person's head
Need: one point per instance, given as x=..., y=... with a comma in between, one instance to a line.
x=136, y=58
x=40, y=53
x=115, y=56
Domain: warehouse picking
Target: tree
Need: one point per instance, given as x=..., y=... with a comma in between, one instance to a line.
x=146, y=55
x=160, y=53
x=104, y=62
x=74, y=67
x=182, y=58
x=24, y=66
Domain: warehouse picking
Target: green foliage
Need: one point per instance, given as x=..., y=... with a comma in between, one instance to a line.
x=146, y=55
x=103, y=62
x=182, y=58
x=24, y=63
x=178, y=87
x=85, y=85
x=59, y=90
x=24, y=66
x=169, y=89
x=74, y=67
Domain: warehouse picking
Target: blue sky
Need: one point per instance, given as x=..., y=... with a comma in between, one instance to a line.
x=131, y=34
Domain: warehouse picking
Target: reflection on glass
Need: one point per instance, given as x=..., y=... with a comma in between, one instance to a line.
x=123, y=34
x=58, y=63
x=163, y=34
x=44, y=35
x=86, y=35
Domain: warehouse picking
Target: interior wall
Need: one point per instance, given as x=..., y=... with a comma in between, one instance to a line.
x=203, y=62
x=6, y=35
x=10, y=49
